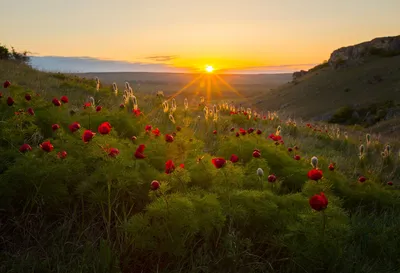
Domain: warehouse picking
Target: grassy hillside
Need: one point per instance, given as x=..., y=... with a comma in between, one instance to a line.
x=183, y=202
x=321, y=92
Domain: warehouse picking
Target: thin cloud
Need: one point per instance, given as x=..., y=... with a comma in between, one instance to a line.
x=162, y=58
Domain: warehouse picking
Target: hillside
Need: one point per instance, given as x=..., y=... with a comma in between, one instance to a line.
x=322, y=91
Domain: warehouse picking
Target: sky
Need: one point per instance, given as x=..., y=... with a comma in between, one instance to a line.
x=186, y=35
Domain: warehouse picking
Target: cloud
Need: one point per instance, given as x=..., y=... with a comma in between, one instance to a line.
x=286, y=68
x=163, y=58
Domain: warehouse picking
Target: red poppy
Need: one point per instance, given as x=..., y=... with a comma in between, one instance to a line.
x=259, y=132
x=318, y=202
x=122, y=106
x=28, y=97
x=6, y=84
x=147, y=128
x=182, y=166
x=218, y=162
x=315, y=174
x=86, y=105
x=74, y=127
x=331, y=167
x=275, y=137
x=155, y=185
x=232, y=129
x=136, y=112
x=234, y=158
x=169, y=138
x=30, y=111
x=139, y=152
x=297, y=157
x=113, y=152
x=250, y=130
x=98, y=108
x=178, y=128
x=62, y=155
x=215, y=132
x=290, y=149
x=47, y=146
x=242, y=131
x=169, y=167
x=390, y=183
x=1, y=95
x=156, y=132
x=362, y=179
x=24, y=148
x=237, y=134
x=56, y=102
x=256, y=153
x=87, y=136
x=64, y=99
x=10, y=101
x=271, y=178
x=104, y=128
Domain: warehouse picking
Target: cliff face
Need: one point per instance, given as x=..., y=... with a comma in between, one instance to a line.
x=353, y=55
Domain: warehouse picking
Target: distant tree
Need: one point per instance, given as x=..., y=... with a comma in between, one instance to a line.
x=5, y=54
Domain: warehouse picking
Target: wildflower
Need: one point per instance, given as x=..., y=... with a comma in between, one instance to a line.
x=24, y=148
x=46, y=146
x=331, y=167
x=56, y=102
x=169, y=166
x=165, y=106
x=155, y=185
x=296, y=148
x=250, y=130
x=133, y=138
x=178, y=128
x=31, y=112
x=182, y=166
x=218, y=162
x=104, y=128
x=242, y=131
x=171, y=118
x=169, y=138
x=62, y=155
x=139, y=152
x=6, y=84
x=122, y=106
x=260, y=172
x=64, y=99
x=232, y=129
x=290, y=149
x=87, y=105
x=318, y=202
x=315, y=174
x=10, y=101
x=115, y=88
x=259, y=132
x=136, y=112
x=147, y=128
x=390, y=183
x=314, y=162
x=74, y=127
x=55, y=127
x=156, y=132
x=297, y=157
x=237, y=134
x=362, y=149
x=271, y=178
x=87, y=136
x=113, y=152
x=98, y=108
x=275, y=137
x=256, y=153
x=278, y=130
x=28, y=97
x=234, y=158
x=362, y=179
x=215, y=132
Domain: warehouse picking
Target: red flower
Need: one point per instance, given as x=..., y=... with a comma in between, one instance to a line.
x=136, y=112
x=122, y=106
x=297, y=157
x=182, y=166
x=271, y=178
x=74, y=127
x=47, y=146
x=234, y=158
x=62, y=155
x=56, y=102
x=275, y=137
x=256, y=154
x=28, y=97
x=232, y=129
x=259, y=132
x=242, y=131
x=147, y=128
x=10, y=101
x=31, y=112
x=24, y=148
x=139, y=152
x=98, y=108
x=331, y=167
x=218, y=162
x=250, y=130
x=6, y=84
x=113, y=152
x=86, y=105
x=169, y=138
x=315, y=174
x=362, y=179
x=318, y=202
x=1, y=95
x=390, y=183
x=290, y=149
x=104, y=128
x=237, y=134
x=87, y=136
x=215, y=132
x=169, y=167
x=178, y=128
x=155, y=185
x=64, y=99
x=156, y=132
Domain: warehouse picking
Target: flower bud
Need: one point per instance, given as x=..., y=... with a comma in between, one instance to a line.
x=314, y=162
x=260, y=172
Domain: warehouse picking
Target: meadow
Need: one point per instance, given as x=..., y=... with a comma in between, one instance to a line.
x=93, y=180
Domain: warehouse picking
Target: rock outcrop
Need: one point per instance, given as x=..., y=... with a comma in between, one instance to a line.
x=298, y=74
x=354, y=55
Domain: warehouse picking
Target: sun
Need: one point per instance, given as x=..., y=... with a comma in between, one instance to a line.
x=209, y=69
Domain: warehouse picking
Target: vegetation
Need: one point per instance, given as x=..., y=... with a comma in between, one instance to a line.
x=6, y=54
x=100, y=203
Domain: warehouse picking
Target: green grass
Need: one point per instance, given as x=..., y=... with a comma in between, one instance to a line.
x=93, y=213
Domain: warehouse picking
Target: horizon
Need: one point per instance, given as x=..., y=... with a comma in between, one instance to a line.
x=256, y=37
